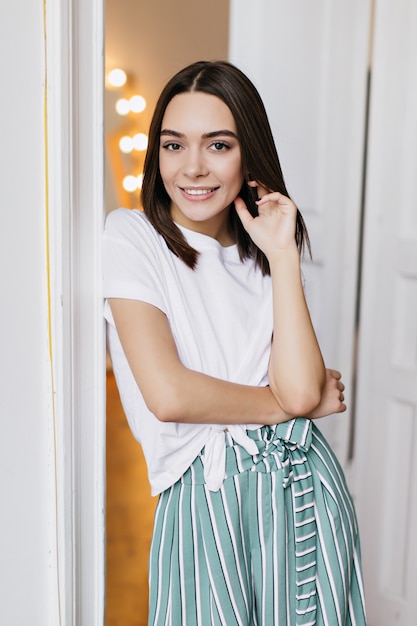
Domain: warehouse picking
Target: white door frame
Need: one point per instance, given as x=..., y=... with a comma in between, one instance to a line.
x=74, y=36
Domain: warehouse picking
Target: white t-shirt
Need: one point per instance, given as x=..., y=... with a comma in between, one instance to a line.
x=221, y=319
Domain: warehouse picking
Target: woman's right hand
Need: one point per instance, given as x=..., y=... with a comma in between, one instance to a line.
x=296, y=369
x=273, y=229
x=332, y=398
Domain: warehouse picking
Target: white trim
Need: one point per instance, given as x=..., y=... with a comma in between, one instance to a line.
x=74, y=48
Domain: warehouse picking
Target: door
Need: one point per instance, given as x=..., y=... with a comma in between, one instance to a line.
x=387, y=375
x=309, y=61
x=311, y=65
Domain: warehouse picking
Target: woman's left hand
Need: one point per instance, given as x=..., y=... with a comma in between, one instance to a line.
x=332, y=398
x=274, y=228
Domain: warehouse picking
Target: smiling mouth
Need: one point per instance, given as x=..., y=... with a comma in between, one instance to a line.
x=198, y=192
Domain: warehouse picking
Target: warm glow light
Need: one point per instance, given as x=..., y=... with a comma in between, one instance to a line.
x=117, y=78
x=133, y=183
x=123, y=106
x=140, y=141
x=130, y=183
x=126, y=144
x=137, y=104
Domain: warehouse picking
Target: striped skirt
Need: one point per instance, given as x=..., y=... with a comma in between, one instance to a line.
x=277, y=545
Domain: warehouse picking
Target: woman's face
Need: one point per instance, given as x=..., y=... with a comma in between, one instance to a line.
x=200, y=162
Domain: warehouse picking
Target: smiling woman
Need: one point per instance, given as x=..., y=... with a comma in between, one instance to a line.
x=215, y=357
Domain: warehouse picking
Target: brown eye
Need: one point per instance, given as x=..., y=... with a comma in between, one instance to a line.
x=220, y=146
x=172, y=146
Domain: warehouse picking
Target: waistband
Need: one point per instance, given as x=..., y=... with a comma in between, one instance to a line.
x=266, y=449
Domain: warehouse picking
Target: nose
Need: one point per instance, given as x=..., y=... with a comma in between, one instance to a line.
x=195, y=164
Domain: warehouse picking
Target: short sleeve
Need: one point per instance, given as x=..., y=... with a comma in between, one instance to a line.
x=131, y=259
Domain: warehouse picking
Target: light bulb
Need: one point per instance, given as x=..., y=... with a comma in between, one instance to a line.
x=122, y=106
x=137, y=104
x=140, y=141
x=126, y=144
x=117, y=78
x=130, y=183
x=139, y=180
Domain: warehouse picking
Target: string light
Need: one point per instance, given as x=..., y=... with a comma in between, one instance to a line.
x=140, y=141
x=129, y=103
x=130, y=183
x=126, y=144
x=137, y=104
x=123, y=106
x=116, y=78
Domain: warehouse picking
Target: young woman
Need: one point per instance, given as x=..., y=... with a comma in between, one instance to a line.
x=216, y=358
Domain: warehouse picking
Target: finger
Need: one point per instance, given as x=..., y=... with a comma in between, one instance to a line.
x=274, y=196
x=241, y=209
x=335, y=373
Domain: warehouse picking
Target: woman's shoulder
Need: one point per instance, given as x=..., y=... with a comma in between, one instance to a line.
x=131, y=225
x=121, y=220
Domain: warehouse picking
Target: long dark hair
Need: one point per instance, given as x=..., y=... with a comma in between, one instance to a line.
x=260, y=160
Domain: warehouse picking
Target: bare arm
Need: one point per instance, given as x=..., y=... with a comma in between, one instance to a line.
x=175, y=393
x=296, y=370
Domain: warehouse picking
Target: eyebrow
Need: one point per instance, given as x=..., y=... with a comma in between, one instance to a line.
x=210, y=135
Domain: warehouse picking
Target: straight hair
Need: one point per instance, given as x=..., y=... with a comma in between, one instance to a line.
x=259, y=156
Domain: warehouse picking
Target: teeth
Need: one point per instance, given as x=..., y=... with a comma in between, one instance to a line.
x=197, y=192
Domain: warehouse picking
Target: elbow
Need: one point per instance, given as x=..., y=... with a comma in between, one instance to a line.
x=298, y=395
x=167, y=396
x=299, y=403
x=166, y=414
x=160, y=410
x=302, y=405
x=166, y=408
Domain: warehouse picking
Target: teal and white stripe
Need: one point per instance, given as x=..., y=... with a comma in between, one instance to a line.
x=277, y=545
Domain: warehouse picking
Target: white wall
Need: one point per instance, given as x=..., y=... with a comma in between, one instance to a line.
x=25, y=562
x=52, y=372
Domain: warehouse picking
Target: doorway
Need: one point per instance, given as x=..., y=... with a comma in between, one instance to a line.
x=149, y=42
x=79, y=419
